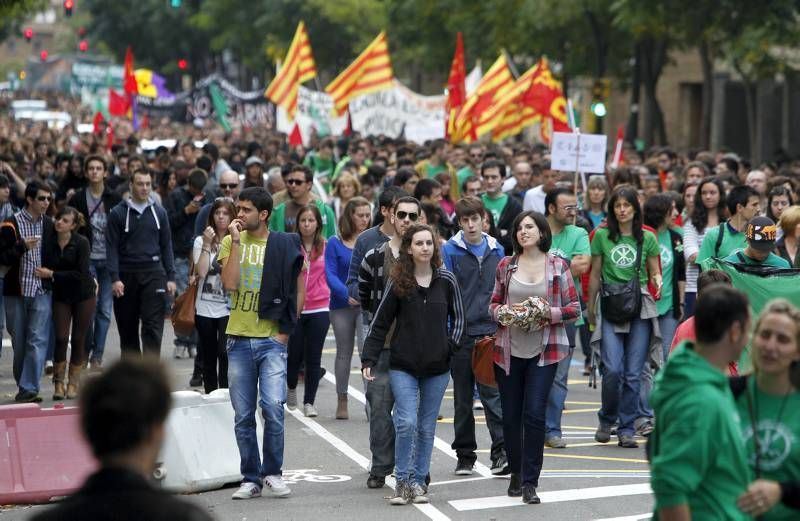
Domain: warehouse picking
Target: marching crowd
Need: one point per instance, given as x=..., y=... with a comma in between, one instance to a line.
x=421, y=257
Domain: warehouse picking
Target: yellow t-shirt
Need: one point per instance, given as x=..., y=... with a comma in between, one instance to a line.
x=244, y=319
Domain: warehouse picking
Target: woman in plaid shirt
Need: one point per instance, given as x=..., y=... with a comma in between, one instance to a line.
x=526, y=357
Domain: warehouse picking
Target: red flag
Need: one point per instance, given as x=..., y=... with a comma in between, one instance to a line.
x=295, y=138
x=117, y=105
x=456, y=90
x=109, y=137
x=619, y=155
x=145, y=121
x=98, y=118
x=129, y=78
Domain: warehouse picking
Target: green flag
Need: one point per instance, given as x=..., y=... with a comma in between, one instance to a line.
x=761, y=284
x=220, y=106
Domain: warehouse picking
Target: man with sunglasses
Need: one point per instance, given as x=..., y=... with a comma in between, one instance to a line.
x=28, y=297
x=372, y=279
x=228, y=187
x=299, y=182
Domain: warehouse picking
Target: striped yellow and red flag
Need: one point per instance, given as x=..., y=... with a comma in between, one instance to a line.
x=536, y=96
x=472, y=119
x=298, y=67
x=370, y=72
x=456, y=89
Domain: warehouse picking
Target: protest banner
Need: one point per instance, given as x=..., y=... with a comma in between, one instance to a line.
x=313, y=115
x=399, y=111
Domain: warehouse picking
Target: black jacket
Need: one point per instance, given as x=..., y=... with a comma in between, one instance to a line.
x=505, y=222
x=421, y=345
x=72, y=281
x=181, y=223
x=678, y=270
x=12, y=248
x=121, y=495
x=139, y=242
x=277, y=298
x=78, y=201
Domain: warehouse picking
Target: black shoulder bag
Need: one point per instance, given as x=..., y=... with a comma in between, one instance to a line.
x=622, y=302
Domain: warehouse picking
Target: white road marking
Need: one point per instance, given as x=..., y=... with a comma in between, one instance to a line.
x=429, y=510
x=627, y=518
x=439, y=443
x=556, y=496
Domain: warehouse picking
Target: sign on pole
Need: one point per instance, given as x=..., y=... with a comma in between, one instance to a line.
x=578, y=152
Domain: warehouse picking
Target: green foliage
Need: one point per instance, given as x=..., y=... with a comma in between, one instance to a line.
x=13, y=14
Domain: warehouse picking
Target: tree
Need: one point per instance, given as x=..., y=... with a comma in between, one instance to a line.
x=12, y=14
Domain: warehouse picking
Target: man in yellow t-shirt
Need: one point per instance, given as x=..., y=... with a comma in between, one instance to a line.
x=256, y=348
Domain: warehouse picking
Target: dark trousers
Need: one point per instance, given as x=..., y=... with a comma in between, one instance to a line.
x=143, y=302
x=464, y=442
x=523, y=393
x=211, y=346
x=305, y=346
x=381, y=427
x=76, y=316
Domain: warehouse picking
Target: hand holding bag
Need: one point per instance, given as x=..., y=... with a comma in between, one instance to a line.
x=622, y=302
x=183, y=309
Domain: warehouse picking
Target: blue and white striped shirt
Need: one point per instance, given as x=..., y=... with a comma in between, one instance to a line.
x=30, y=284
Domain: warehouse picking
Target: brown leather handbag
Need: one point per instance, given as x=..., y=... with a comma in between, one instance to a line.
x=183, y=310
x=483, y=361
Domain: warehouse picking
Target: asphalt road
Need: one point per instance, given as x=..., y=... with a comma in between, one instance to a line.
x=326, y=463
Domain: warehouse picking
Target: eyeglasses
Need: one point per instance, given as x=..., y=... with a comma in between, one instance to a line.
x=570, y=208
x=412, y=216
x=44, y=198
x=296, y=182
x=226, y=186
x=223, y=200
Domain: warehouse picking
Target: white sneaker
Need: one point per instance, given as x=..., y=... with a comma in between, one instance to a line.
x=477, y=405
x=291, y=399
x=309, y=410
x=276, y=487
x=419, y=494
x=247, y=490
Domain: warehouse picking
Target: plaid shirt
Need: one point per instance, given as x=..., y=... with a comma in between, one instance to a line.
x=564, y=307
x=30, y=284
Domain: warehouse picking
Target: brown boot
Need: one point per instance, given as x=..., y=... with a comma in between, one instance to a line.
x=341, y=407
x=74, y=380
x=59, y=368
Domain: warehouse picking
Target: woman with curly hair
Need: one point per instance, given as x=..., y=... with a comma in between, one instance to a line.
x=421, y=298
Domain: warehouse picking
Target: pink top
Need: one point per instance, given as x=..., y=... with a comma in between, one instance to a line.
x=318, y=294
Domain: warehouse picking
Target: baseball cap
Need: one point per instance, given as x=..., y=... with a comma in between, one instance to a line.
x=253, y=160
x=761, y=233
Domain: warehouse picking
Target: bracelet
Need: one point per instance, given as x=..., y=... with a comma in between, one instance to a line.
x=236, y=241
x=206, y=250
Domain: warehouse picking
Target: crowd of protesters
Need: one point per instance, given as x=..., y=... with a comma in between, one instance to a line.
x=413, y=253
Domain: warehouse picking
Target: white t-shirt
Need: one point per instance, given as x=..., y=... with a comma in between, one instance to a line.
x=534, y=200
x=212, y=302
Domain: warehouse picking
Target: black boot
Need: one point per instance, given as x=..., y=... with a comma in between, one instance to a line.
x=529, y=495
x=515, y=486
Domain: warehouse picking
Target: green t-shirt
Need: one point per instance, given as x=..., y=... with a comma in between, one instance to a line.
x=772, y=260
x=619, y=257
x=572, y=241
x=779, y=439
x=495, y=206
x=732, y=241
x=664, y=304
x=244, y=319
x=462, y=176
x=322, y=169
x=432, y=170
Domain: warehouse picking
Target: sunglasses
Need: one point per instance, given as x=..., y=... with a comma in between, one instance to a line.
x=44, y=198
x=412, y=216
x=226, y=186
x=296, y=182
x=224, y=199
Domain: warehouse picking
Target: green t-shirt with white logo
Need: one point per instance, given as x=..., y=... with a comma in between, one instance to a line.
x=619, y=257
x=778, y=427
x=732, y=241
x=664, y=304
x=571, y=241
x=495, y=206
x=244, y=319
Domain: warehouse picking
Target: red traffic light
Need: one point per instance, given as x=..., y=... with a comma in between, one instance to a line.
x=81, y=31
x=83, y=46
x=183, y=64
x=28, y=33
x=68, y=5
x=43, y=55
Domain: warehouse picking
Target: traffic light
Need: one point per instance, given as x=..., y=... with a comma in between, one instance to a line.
x=28, y=34
x=68, y=6
x=83, y=46
x=600, y=91
x=43, y=55
x=175, y=4
x=183, y=64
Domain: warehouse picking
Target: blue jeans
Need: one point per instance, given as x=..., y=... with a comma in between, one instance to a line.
x=623, y=356
x=416, y=406
x=667, y=324
x=96, y=342
x=257, y=371
x=523, y=393
x=558, y=393
x=30, y=324
x=380, y=402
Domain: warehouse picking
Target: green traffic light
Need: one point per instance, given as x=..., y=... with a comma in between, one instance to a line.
x=599, y=109
x=175, y=3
